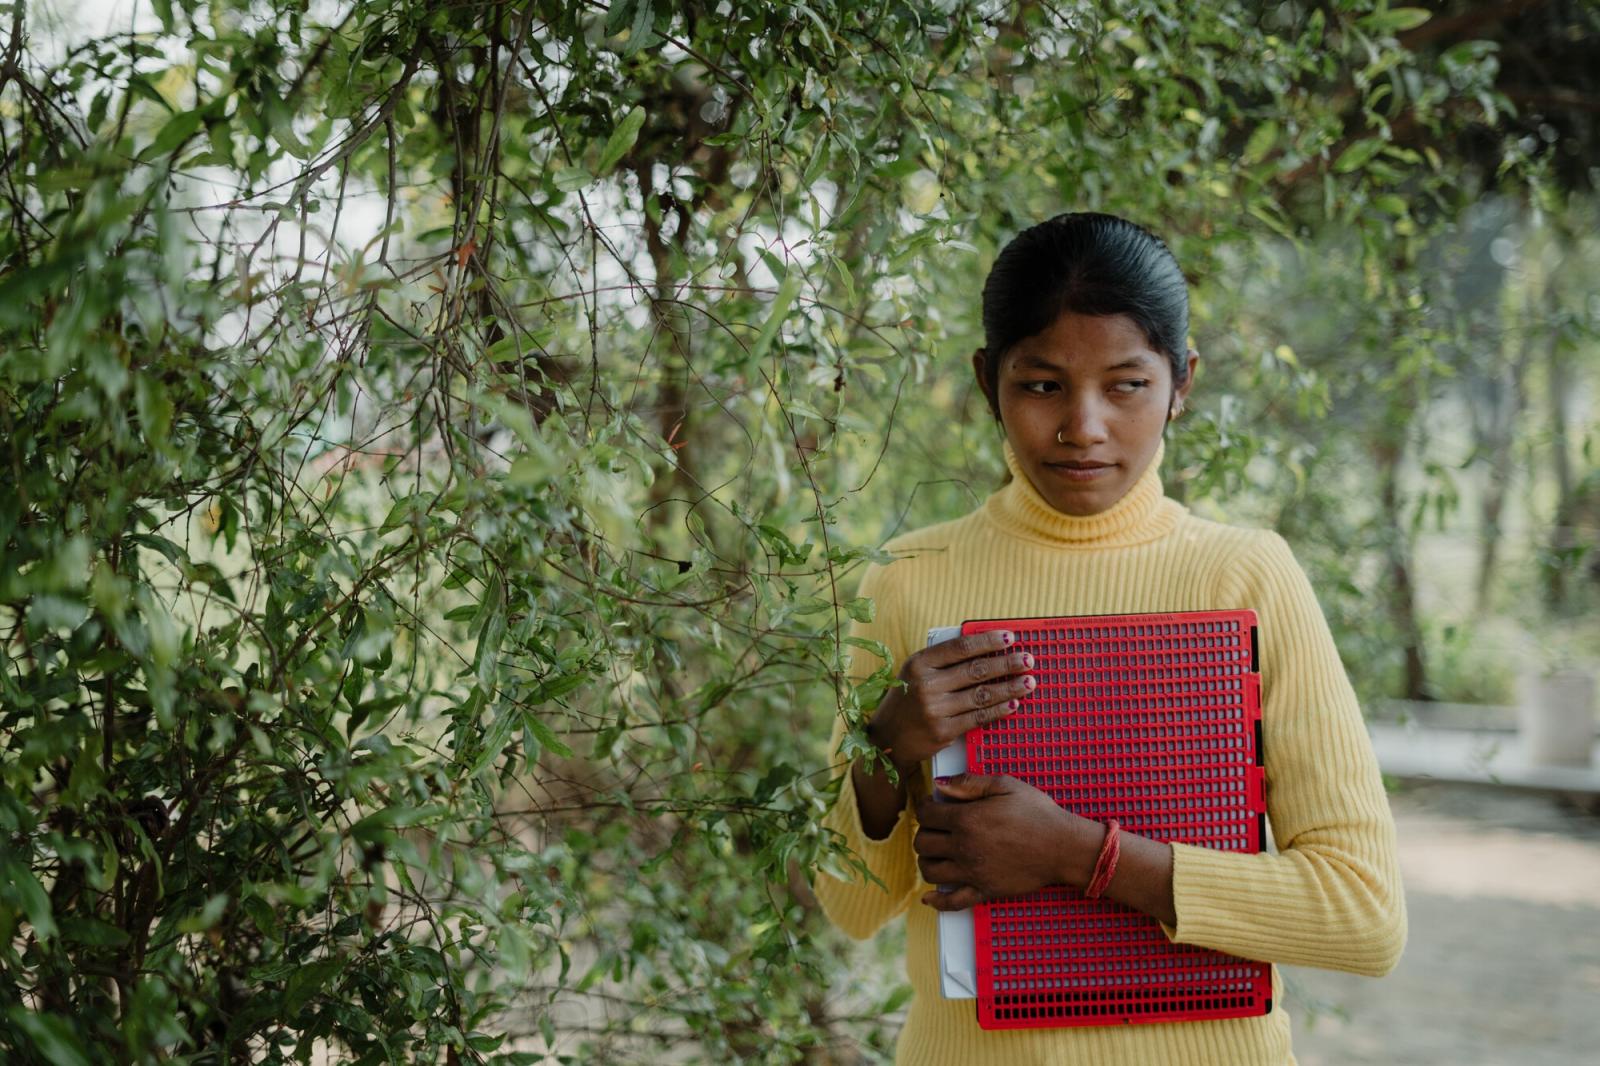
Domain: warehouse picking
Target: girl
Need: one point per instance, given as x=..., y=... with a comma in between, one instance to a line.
x=1085, y=363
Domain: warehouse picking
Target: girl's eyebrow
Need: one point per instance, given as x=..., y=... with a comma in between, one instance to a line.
x=1132, y=362
x=1037, y=362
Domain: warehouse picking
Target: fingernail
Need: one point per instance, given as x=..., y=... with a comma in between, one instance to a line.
x=1008, y=638
x=1014, y=704
x=1027, y=660
x=1029, y=683
x=941, y=780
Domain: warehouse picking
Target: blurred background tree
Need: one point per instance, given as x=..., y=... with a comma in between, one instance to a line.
x=441, y=442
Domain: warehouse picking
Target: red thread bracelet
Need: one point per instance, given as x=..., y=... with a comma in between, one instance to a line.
x=1105, y=866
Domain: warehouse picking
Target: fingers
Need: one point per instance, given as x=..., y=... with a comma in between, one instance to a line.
x=987, y=703
x=936, y=856
x=987, y=669
x=968, y=681
x=979, y=691
x=950, y=652
x=937, y=816
x=940, y=871
x=973, y=786
x=963, y=897
x=932, y=844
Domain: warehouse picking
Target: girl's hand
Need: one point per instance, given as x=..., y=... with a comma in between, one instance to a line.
x=1003, y=838
x=951, y=687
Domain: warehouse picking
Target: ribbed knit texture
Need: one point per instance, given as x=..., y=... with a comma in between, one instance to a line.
x=1328, y=896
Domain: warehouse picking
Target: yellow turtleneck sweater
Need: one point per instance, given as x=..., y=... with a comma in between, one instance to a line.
x=1328, y=896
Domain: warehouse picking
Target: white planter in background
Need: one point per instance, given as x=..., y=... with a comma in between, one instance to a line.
x=1556, y=717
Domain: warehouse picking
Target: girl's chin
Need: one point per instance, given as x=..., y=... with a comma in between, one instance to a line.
x=1081, y=501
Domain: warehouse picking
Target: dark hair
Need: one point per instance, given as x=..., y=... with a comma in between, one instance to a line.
x=1093, y=264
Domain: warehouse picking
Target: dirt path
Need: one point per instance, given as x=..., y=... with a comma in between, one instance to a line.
x=1502, y=965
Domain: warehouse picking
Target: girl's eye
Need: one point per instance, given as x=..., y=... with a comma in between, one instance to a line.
x=1124, y=388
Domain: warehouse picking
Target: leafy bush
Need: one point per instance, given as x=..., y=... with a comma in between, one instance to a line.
x=441, y=443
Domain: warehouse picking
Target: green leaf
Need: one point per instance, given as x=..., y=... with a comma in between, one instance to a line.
x=179, y=128
x=1395, y=20
x=174, y=553
x=1391, y=204
x=156, y=410
x=494, y=739
x=780, y=308
x=485, y=1042
x=403, y=510
x=621, y=141
x=51, y=1036
x=897, y=999
x=139, y=85
x=845, y=277
x=544, y=735
x=491, y=630
x=639, y=31
x=568, y=179
x=554, y=689
x=92, y=931
x=713, y=693
x=363, y=711
x=285, y=135
x=804, y=605
x=1261, y=142
x=306, y=981
x=377, y=824
x=862, y=609
x=206, y=917
x=779, y=776
x=876, y=647
x=25, y=890
x=1357, y=155
x=617, y=17
x=775, y=263
x=64, y=178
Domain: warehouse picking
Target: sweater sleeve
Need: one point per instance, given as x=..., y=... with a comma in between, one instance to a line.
x=854, y=904
x=1331, y=897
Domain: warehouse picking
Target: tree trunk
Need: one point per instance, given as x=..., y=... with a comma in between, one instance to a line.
x=672, y=415
x=1397, y=556
x=1562, y=541
x=1507, y=396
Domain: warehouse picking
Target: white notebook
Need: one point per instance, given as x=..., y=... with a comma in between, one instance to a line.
x=958, y=955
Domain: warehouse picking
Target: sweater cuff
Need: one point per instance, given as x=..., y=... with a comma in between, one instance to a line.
x=1199, y=877
x=844, y=818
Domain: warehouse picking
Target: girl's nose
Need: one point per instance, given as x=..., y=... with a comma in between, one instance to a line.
x=1083, y=424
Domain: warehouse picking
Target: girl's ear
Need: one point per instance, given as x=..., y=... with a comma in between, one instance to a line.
x=1191, y=361
x=980, y=366
x=1181, y=392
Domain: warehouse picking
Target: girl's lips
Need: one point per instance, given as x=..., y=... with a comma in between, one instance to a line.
x=1083, y=472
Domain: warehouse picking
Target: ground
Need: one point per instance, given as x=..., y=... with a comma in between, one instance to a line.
x=1503, y=960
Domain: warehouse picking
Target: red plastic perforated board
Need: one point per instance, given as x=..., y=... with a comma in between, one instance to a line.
x=1152, y=719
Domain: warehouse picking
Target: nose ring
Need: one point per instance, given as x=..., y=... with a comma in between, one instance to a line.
x=1058, y=437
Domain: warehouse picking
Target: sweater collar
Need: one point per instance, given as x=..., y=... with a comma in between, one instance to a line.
x=1142, y=514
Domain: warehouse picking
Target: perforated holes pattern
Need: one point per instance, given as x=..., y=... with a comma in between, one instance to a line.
x=1149, y=719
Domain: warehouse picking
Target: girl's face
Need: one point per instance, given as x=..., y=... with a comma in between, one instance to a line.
x=1096, y=380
